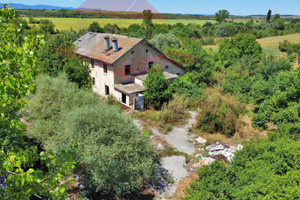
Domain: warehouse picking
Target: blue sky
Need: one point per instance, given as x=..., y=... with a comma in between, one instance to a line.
x=235, y=7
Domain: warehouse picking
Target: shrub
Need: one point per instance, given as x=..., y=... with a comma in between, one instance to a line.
x=192, y=92
x=113, y=154
x=95, y=27
x=174, y=111
x=163, y=41
x=284, y=46
x=263, y=169
x=157, y=90
x=239, y=46
x=226, y=29
x=219, y=113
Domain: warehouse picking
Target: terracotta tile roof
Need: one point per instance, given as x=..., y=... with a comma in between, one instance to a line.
x=92, y=45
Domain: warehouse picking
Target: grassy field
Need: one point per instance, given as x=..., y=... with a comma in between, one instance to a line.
x=79, y=23
x=269, y=44
x=273, y=42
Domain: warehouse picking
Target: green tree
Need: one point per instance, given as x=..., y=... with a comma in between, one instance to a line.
x=226, y=29
x=276, y=16
x=268, y=19
x=47, y=26
x=221, y=15
x=157, y=88
x=95, y=27
x=198, y=64
x=147, y=18
x=136, y=30
x=31, y=173
x=147, y=23
x=239, y=46
x=163, y=41
x=57, y=56
x=112, y=153
x=263, y=169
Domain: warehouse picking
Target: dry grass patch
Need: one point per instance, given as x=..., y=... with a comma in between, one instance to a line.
x=273, y=42
x=175, y=113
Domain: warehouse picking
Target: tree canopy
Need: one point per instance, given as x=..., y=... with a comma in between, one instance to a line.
x=30, y=171
x=221, y=15
x=112, y=153
x=157, y=88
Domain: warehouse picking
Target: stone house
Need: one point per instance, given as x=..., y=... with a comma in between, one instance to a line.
x=119, y=64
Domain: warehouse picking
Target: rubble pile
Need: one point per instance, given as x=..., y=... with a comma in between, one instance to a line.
x=218, y=151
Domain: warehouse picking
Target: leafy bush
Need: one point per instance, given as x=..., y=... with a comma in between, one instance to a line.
x=189, y=90
x=113, y=154
x=174, y=111
x=197, y=62
x=219, y=113
x=57, y=56
x=226, y=29
x=263, y=169
x=157, y=90
x=95, y=27
x=163, y=41
x=284, y=46
x=282, y=106
x=239, y=46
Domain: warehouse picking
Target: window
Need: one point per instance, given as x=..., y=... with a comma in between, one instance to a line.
x=127, y=70
x=132, y=52
x=106, y=90
x=93, y=63
x=166, y=67
x=124, y=98
x=105, y=68
x=146, y=51
x=93, y=81
x=150, y=65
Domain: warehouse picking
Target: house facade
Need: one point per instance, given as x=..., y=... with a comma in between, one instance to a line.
x=119, y=64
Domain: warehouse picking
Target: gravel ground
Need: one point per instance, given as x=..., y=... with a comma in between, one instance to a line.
x=179, y=138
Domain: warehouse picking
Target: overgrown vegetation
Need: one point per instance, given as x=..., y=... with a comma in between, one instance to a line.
x=57, y=56
x=157, y=90
x=220, y=113
x=112, y=153
x=263, y=169
x=68, y=124
x=30, y=171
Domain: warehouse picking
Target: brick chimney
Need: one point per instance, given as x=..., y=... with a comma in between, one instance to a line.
x=115, y=44
x=106, y=42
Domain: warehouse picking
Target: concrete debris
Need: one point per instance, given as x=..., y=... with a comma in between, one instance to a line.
x=200, y=140
x=215, y=147
x=160, y=147
x=215, y=150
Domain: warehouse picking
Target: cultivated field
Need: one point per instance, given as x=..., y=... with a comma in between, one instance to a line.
x=79, y=23
x=273, y=42
x=269, y=44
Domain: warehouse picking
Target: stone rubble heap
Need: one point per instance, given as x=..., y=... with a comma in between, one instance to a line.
x=217, y=151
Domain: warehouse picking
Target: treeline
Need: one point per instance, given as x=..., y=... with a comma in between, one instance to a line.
x=104, y=14
x=207, y=32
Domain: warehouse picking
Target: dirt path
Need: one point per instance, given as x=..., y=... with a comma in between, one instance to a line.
x=179, y=138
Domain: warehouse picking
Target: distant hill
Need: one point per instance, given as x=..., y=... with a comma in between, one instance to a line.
x=36, y=7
